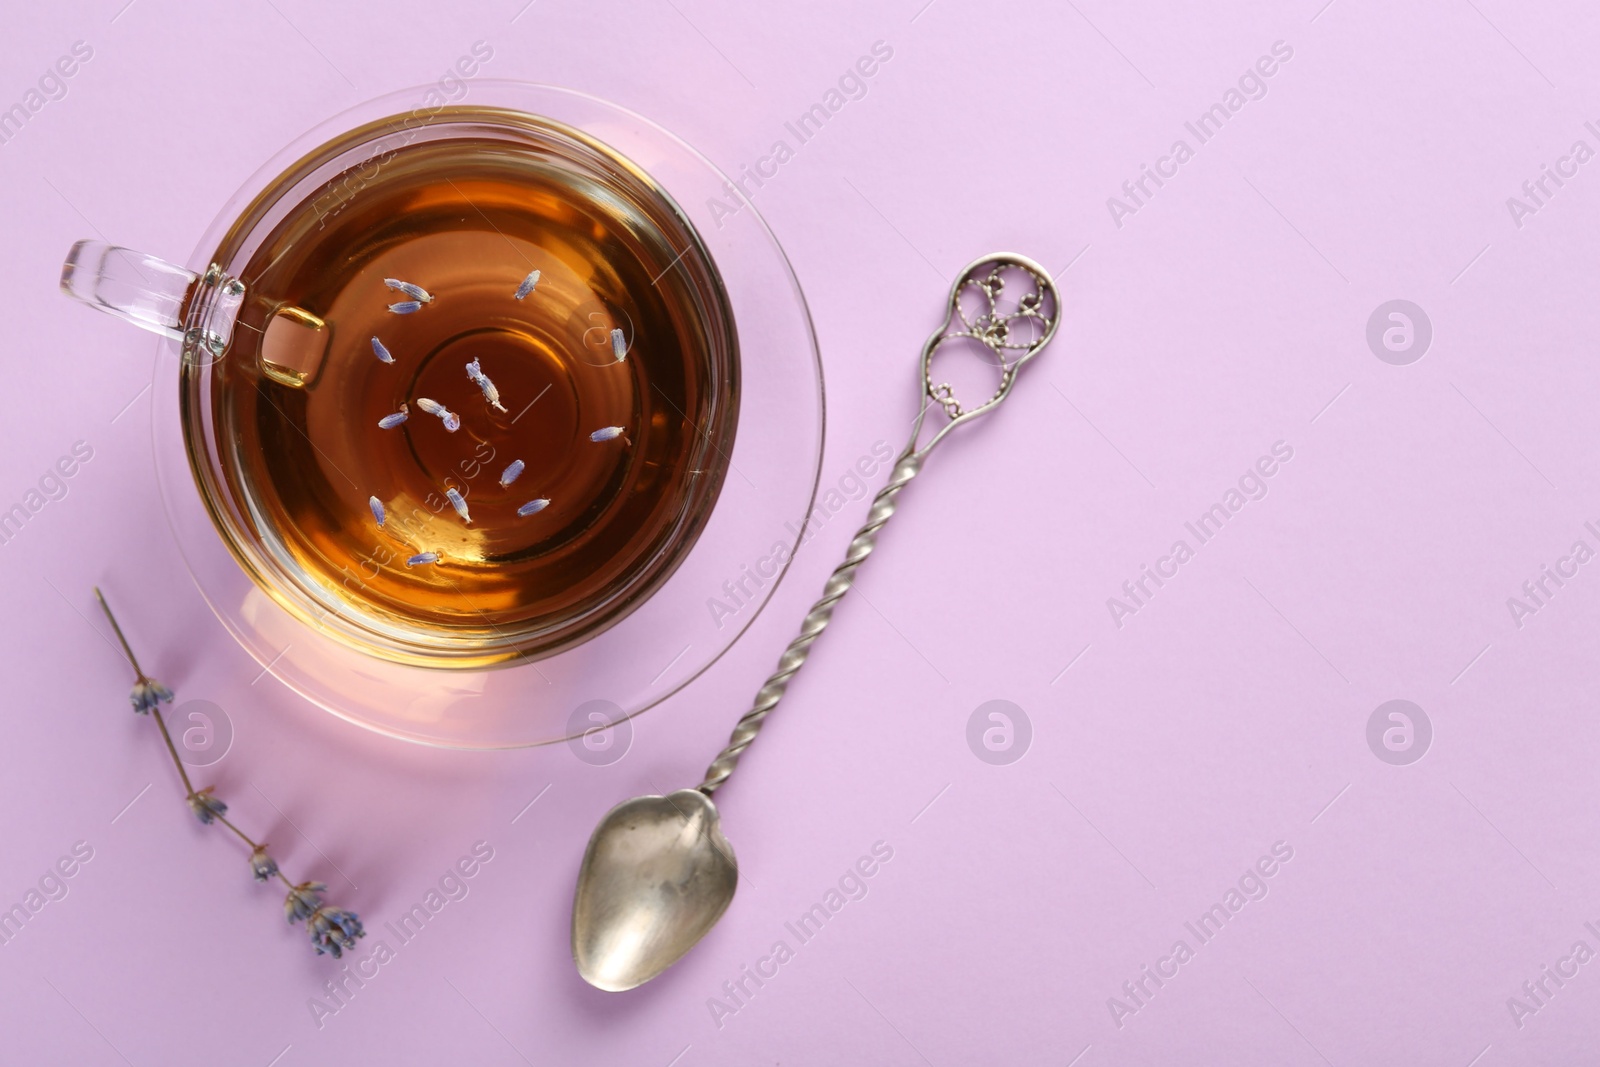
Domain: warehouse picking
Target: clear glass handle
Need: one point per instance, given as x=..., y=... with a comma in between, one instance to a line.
x=196, y=310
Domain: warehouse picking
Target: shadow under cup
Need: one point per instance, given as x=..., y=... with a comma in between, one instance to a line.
x=497, y=467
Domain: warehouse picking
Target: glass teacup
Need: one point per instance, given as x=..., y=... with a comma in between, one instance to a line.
x=460, y=387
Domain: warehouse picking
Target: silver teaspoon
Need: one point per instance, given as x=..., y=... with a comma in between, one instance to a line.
x=658, y=872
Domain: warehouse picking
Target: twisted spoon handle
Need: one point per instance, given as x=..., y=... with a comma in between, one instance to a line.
x=1014, y=333
x=816, y=620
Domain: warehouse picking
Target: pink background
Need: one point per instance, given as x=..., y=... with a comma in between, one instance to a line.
x=1229, y=713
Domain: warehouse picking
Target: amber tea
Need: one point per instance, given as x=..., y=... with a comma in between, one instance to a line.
x=485, y=401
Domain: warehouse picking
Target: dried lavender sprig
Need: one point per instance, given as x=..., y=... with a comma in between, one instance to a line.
x=458, y=502
x=406, y=307
x=512, y=472
x=527, y=284
x=332, y=930
x=610, y=433
x=380, y=350
x=206, y=807
x=147, y=692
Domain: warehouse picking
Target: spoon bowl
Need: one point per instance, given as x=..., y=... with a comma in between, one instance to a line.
x=657, y=875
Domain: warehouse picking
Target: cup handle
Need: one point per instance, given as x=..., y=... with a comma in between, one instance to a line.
x=198, y=311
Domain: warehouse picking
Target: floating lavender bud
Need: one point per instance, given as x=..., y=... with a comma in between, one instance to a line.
x=380, y=351
x=333, y=930
x=415, y=292
x=608, y=433
x=452, y=421
x=527, y=284
x=533, y=507
x=406, y=307
x=421, y=558
x=377, y=508
x=389, y=422
x=458, y=502
x=303, y=901
x=619, y=345
x=481, y=380
x=511, y=473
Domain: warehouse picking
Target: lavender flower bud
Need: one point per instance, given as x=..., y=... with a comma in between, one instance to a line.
x=333, y=930
x=205, y=806
x=262, y=865
x=148, y=693
x=303, y=901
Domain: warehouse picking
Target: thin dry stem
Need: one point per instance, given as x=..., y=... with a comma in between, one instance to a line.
x=127, y=649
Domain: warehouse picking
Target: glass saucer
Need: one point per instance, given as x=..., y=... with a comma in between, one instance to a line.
x=692, y=618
